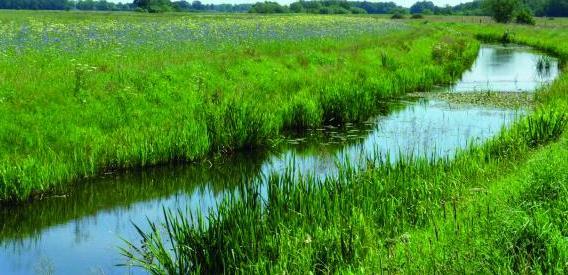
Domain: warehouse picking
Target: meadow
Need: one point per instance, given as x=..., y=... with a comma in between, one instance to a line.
x=499, y=207
x=82, y=94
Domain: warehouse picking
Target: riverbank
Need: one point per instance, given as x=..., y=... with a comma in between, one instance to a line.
x=498, y=207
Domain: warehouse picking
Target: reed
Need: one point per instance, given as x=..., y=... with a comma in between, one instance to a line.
x=496, y=207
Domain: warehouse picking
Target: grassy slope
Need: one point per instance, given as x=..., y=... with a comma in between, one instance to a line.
x=498, y=208
x=514, y=222
x=62, y=121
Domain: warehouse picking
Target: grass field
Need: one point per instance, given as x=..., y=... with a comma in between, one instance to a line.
x=85, y=93
x=497, y=208
x=81, y=93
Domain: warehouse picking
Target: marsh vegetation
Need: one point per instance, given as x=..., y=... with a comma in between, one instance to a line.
x=249, y=144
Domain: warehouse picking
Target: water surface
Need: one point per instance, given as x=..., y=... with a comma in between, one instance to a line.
x=508, y=68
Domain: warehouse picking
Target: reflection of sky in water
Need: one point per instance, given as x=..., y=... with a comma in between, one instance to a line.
x=81, y=234
x=507, y=69
x=423, y=129
x=90, y=244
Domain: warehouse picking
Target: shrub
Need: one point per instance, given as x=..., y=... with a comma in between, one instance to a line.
x=356, y=10
x=417, y=16
x=397, y=16
x=524, y=17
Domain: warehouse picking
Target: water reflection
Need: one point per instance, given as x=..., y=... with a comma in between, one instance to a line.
x=508, y=69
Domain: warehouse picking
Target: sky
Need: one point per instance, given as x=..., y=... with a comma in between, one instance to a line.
x=404, y=3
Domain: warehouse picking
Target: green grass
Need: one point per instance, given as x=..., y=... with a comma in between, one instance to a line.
x=82, y=93
x=500, y=207
x=99, y=99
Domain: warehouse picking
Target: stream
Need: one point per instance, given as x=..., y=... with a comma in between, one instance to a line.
x=80, y=232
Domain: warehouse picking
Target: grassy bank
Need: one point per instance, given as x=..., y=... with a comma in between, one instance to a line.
x=81, y=93
x=497, y=208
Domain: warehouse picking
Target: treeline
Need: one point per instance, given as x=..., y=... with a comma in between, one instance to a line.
x=358, y=7
x=136, y=5
x=553, y=8
x=63, y=5
x=198, y=6
x=328, y=7
x=477, y=7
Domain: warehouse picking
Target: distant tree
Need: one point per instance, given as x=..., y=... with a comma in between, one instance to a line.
x=447, y=10
x=85, y=5
x=197, y=5
x=340, y=10
x=557, y=8
x=419, y=7
x=399, y=11
x=524, y=16
x=36, y=4
x=472, y=8
x=268, y=7
x=536, y=7
x=297, y=7
x=377, y=8
x=104, y=6
x=181, y=6
x=502, y=11
x=312, y=6
x=356, y=10
x=326, y=10
x=153, y=5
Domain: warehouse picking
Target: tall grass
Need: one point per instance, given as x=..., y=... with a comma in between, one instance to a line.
x=497, y=207
x=80, y=95
x=309, y=224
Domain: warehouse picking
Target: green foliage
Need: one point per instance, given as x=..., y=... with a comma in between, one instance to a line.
x=419, y=7
x=557, y=8
x=356, y=10
x=340, y=7
x=524, y=16
x=397, y=16
x=502, y=11
x=153, y=6
x=268, y=7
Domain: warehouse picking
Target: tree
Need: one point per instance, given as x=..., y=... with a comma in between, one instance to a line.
x=153, y=5
x=419, y=7
x=181, y=6
x=502, y=10
x=524, y=16
x=557, y=8
x=268, y=7
x=86, y=5
x=297, y=7
x=356, y=10
x=197, y=5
